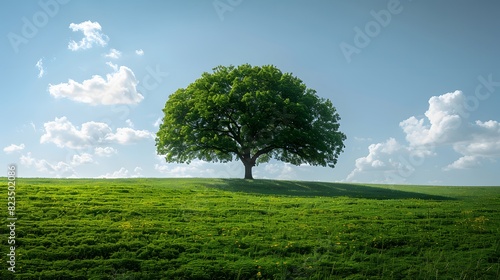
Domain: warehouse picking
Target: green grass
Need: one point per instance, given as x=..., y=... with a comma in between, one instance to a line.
x=261, y=229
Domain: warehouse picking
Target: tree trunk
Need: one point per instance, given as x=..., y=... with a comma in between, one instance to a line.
x=248, y=170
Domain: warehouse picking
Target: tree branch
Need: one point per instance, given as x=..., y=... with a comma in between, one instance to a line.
x=237, y=137
x=262, y=151
x=220, y=149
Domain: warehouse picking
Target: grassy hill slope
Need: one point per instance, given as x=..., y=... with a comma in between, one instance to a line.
x=261, y=229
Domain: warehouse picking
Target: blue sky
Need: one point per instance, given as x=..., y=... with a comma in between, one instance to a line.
x=416, y=83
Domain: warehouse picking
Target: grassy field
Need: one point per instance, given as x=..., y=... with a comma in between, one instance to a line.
x=261, y=229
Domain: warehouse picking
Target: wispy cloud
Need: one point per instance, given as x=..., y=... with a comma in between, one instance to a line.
x=139, y=52
x=129, y=123
x=41, y=70
x=113, y=53
x=112, y=65
x=158, y=122
x=362, y=139
x=59, y=169
x=13, y=148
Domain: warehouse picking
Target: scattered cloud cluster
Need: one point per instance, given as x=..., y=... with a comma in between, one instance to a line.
x=445, y=125
x=92, y=35
x=475, y=141
x=64, y=134
x=90, y=139
x=67, y=168
x=59, y=169
x=118, y=88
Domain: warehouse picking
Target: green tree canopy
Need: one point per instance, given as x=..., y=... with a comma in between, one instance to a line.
x=252, y=114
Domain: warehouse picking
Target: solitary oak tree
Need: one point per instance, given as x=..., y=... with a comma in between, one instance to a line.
x=252, y=114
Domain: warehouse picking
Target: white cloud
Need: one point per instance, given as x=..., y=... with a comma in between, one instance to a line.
x=139, y=52
x=126, y=135
x=27, y=160
x=445, y=118
x=60, y=169
x=91, y=134
x=119, y=87
x=281, y=171
x=481, y=142
x=39, y=66
x=13, y=148
x=129, y=123
x=385, y=162
x=82, y=159
x=464, y=162
x=114, y=53
x=485, y=140
x=112, y=65
x=105, y=151
x=445, y=125
x=158, y=122
x=137, y=172
x=122, y=173
x=92, y=35
x=449, y=126
x=64, y=134
x=480, y=146
x=180, y=171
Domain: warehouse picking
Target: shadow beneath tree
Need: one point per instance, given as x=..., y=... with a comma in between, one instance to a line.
x=312, y=189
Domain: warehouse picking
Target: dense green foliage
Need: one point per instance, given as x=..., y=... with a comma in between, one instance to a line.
x=251, y=114
x=260, y=229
